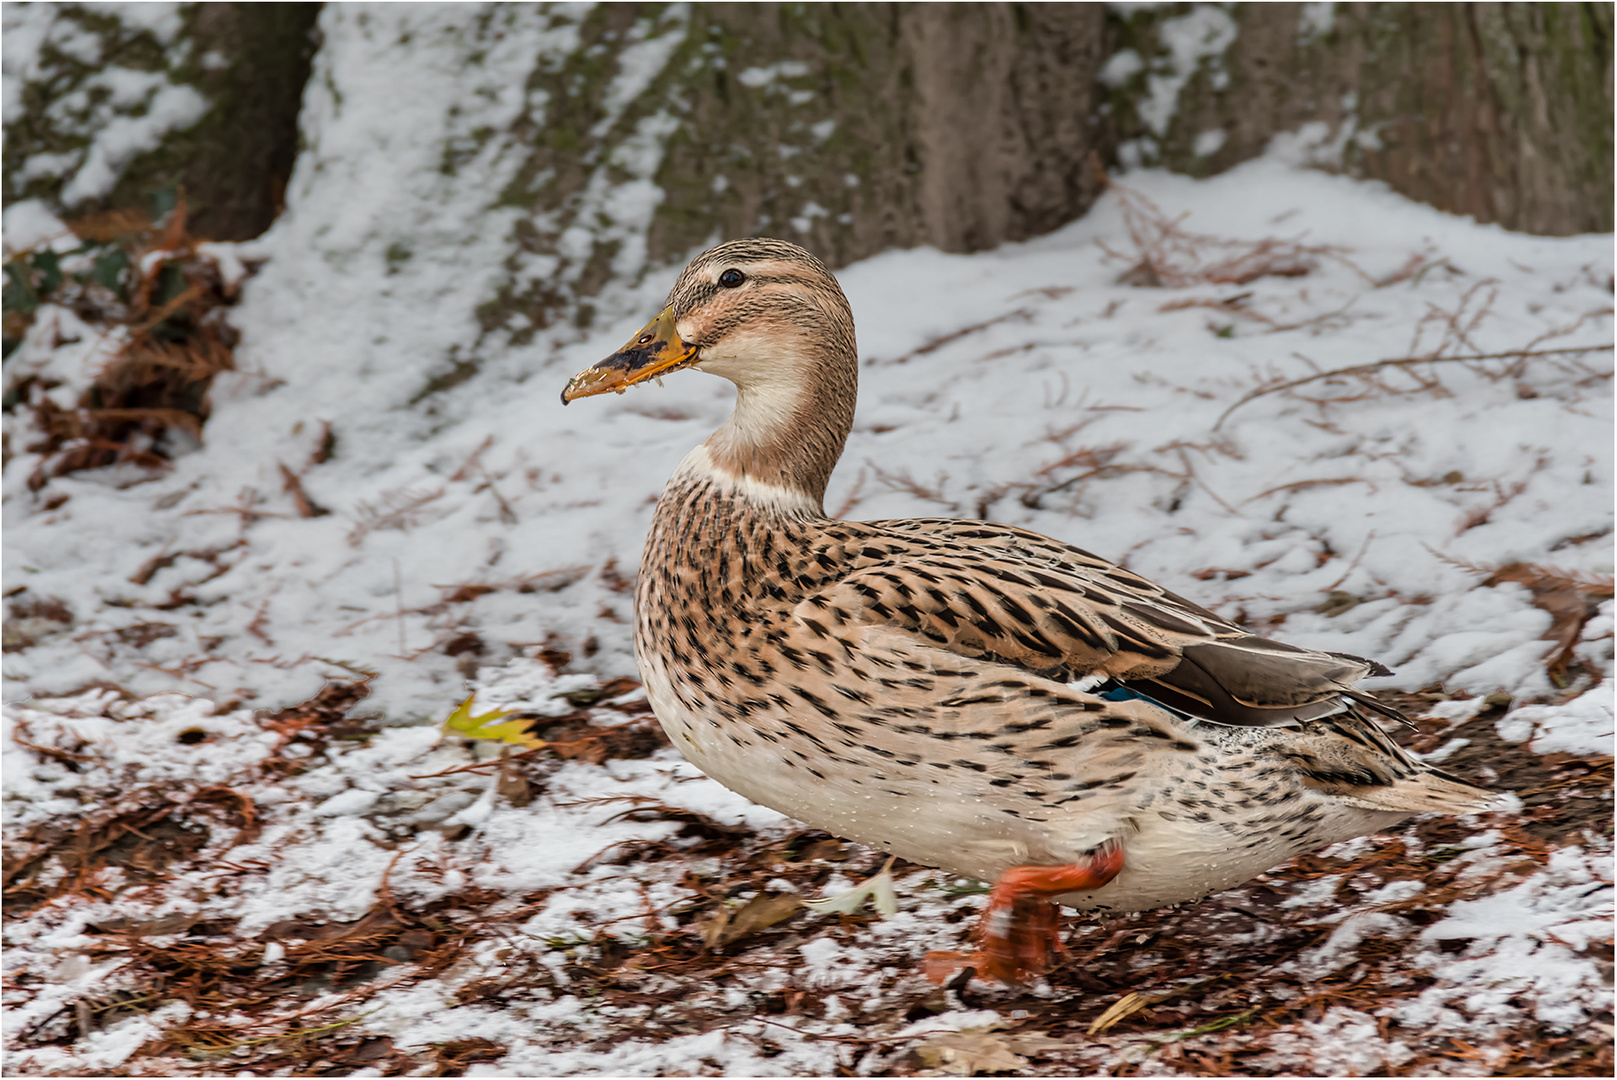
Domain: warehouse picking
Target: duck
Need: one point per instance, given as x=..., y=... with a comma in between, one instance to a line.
x=966, y=695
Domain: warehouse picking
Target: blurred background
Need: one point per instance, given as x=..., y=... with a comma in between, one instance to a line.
x=376, y=236
x=851, y=127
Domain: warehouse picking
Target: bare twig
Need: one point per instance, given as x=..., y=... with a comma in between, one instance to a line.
x=507, y=515
x=398, y=510
x=1401, y=362
x=293, y=486
x=473, y=460
x=1352, y=566
x=903, y=481
x=939, y=342
x=1166, y=254
x=854, y=495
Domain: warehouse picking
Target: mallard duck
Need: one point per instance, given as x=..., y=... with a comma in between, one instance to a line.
x=964, y=694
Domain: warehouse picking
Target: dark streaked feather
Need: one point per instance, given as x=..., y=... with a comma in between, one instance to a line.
x=988, y=590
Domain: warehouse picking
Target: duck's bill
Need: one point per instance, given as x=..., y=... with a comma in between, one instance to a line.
x=656, y=350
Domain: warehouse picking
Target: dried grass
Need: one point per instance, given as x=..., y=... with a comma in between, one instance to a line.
x=903, y=481
x=1454, y=343
x=1366, y=373
x=165, y=309
x=400, y=509
x=1165, y=255
x=142, y=833
x=1570, y=597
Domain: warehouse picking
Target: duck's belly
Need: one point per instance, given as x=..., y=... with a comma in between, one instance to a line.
x=1169, y=856
x=1171, y=860
x=938, y=827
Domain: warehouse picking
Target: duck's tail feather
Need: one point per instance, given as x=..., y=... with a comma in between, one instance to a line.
x=1427, y=792
x=1350, y=757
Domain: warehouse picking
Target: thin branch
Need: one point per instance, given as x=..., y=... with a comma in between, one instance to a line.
x=1405, y=361
x=946, y=339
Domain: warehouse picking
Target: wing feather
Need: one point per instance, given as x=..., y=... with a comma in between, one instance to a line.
x=997, y=592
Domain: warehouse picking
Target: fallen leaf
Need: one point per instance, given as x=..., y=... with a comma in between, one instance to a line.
x=878, y=890
x=512, y=786
x=1122, y=1008
x=486, y=726
x=1570, y=597
x=759, y=913
x=827, y=850
x=977, y=1051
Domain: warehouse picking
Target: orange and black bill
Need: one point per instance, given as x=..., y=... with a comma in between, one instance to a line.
x=656, y=350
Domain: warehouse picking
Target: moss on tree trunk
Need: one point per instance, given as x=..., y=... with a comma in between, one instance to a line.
x=245, y=64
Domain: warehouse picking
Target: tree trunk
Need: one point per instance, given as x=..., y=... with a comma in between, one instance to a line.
x=1499, y=111
x=239, y=67
x=857, y=127
x=961, y=126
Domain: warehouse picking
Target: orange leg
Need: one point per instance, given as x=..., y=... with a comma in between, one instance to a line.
x=1019, y=933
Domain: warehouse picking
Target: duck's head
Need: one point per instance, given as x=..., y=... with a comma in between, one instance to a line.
x=750, y=311
x=770, y=317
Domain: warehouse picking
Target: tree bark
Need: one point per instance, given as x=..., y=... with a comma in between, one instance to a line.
x=854, y=128
x=1499, y=111
x=961, y=126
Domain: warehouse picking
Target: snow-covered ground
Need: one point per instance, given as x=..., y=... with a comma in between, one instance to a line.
x=1435, y=516
x=1025, y=383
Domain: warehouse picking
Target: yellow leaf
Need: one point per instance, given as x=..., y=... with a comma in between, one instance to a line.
x=1121, y=1009
x=486, y=726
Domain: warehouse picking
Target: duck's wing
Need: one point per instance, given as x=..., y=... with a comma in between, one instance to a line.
x=994, y=591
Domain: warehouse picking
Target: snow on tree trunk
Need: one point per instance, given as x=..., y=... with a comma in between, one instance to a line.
x=850, y=127
x=113, y=106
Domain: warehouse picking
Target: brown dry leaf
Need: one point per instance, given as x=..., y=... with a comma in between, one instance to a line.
x=759, y=913
x=830, y=850
x=510, y=785
x=1122, y=1008
x=978, y=1051
x=1570, y=597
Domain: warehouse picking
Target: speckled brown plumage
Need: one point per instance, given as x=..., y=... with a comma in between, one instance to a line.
x=934, y=687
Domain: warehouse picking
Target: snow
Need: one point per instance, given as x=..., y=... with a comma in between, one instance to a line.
x=117, y=141
x=1027, y=384
x=30, y=224
x=1522, y=944
x=162, y=20
x=1120, y=67
x=642, y=61
x=1314, y=21
x=111, y=114
x=1580, y=726
x=1386, y=500
x=1208, y=142
x=1199, y=36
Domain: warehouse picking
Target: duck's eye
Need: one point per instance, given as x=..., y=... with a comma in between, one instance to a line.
x=732, y=279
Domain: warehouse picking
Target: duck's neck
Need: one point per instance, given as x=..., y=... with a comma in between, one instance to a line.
x=788, y=428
